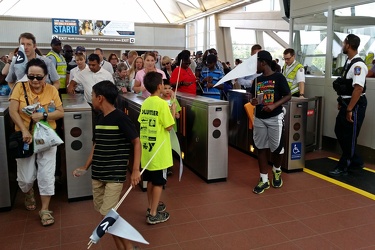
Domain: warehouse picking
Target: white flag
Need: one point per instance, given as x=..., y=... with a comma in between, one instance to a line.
x=20, y=63
x=176, y=147
x=247, y=68
x=114, y=224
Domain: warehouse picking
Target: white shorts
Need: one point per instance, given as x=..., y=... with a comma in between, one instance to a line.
x=27, y=172
x=268, y=133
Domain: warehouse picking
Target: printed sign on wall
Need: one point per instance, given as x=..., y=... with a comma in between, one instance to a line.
x=296, y=151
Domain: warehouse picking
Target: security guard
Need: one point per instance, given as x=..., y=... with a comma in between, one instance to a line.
x=294, y=73
x=59, y=62
x=352, y=103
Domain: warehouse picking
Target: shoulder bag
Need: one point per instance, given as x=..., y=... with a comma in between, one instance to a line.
x=17, y=147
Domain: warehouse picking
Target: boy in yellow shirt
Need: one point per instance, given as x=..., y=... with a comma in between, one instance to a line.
x=155, y=121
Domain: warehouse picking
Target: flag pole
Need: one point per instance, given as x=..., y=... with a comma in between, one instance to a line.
x=130, y=188
x=178, y=79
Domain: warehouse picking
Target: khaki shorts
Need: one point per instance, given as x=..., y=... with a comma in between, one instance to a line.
x=105, y=195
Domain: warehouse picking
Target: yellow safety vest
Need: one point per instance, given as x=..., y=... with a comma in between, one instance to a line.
x=290, y=77
x=60, y=68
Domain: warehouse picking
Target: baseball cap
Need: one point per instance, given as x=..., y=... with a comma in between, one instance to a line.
x=199, y=52
x=55, y=41
x=80, y=49
x=264, y=55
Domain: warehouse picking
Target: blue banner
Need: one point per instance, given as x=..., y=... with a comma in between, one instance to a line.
x=65, y=26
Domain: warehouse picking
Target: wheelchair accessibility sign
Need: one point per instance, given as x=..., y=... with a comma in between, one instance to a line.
x=296, y=151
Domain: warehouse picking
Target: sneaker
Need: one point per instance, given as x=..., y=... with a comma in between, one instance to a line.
x=261, y=187
x=338, y=171
x=158, y=218
x=277, y=182
x=161, y=208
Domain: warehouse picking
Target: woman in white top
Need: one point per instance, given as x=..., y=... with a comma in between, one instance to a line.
x=150, y=60
x=81, y=65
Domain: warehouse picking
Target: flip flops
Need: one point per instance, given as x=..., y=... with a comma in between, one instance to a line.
x=30, y=202
x=46, y=217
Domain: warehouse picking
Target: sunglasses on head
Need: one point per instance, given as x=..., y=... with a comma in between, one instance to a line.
x=166, y=63
x=39, y=78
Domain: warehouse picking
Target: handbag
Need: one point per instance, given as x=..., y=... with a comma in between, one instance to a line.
x=17, y=147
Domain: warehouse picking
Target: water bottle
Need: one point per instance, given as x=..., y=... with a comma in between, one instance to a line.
x=26, y=146
x=51, y=106
x=40, y=108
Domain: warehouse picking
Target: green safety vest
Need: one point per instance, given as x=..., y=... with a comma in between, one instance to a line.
x=291, y=76
x=61, y=68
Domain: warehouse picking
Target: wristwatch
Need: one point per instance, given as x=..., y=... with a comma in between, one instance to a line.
x=45, y=115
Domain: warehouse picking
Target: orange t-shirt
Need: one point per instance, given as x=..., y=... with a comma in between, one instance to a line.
x=44, y=98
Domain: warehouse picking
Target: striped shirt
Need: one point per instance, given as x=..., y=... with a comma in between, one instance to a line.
x=112, y=136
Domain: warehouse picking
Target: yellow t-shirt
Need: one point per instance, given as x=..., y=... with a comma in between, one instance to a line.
x=154, y=118
x=44, y=98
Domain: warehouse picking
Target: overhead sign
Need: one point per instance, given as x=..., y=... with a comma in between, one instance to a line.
x=65, y=26
x=93, y=31
x=96, y=39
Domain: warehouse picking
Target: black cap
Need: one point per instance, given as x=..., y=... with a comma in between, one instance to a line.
x=55, y=41
x=264, y=55
x=80, y=49
x=199, y=52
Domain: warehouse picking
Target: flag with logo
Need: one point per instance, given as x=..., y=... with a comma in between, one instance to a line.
x=20, y=64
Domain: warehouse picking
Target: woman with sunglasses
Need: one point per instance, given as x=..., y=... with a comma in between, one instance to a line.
x=168, y=68
x=37, y=91
x=187, y=80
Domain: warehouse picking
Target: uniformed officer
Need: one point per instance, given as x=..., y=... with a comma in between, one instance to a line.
x=352, y=105
x=294, y=73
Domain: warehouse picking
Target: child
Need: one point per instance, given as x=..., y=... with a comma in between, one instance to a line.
x=114, y=132
x=168, y=95
x=155, y=121
x=268, y=121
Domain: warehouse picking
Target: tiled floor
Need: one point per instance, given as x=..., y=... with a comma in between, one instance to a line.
x=306, y=213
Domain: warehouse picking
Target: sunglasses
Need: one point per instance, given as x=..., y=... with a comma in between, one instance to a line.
x=39, y=78
x=164, y=64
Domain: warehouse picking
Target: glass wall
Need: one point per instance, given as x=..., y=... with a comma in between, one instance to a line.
x=242, y=40
x=201, y=34
x=310, y=40
x=358, y=20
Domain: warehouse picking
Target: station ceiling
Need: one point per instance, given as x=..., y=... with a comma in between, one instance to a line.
x=141, y=11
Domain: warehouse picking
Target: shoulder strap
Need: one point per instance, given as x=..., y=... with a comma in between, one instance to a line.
x=27, y=102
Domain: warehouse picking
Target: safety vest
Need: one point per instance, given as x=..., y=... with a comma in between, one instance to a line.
x=291, y=76
x=60, y=68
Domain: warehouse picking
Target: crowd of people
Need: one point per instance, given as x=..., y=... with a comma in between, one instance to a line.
x=42, y=79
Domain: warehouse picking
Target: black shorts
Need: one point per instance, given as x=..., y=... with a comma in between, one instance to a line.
x=157, y=178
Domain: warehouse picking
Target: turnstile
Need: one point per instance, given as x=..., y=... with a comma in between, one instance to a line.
x=7, y=172
x=295, y=134
x=203, y=135
x=78, y=144
x=202, y=131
